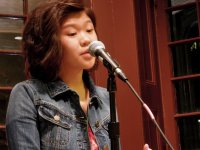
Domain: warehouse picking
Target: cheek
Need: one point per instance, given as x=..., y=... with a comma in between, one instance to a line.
x=68, y=44
x=67, y=53
x=69, y=48
x=95, y=37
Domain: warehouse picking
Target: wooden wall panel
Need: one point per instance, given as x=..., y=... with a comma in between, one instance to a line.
x=116, y=28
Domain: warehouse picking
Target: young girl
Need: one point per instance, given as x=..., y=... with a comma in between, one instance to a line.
x=59, y=107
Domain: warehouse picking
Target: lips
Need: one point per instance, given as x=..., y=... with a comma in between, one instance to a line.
x=85, y=52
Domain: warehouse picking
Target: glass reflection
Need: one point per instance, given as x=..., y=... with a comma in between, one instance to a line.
x=179, y=2
x=11, y=7
x=8, y=41
x=9, y=30
x=184, y=24
x=12, y=25
x=186, y=59
x=189, y=129
x=11, y=69
x=33, y=3
x=188, y=95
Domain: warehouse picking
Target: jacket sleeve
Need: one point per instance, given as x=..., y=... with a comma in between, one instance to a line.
x=21, y=120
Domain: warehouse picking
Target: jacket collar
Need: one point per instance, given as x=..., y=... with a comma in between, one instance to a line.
x=59, y=87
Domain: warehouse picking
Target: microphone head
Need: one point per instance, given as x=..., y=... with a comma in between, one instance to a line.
x=95, y=46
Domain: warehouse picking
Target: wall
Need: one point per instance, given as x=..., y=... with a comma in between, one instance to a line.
x=116, y=28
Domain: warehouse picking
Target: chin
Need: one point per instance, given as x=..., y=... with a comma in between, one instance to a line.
x=89, y=66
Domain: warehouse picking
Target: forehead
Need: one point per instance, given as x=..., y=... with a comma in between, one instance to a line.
x=76, y=18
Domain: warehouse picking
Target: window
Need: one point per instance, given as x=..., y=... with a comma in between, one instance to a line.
x=12, y=17
x=184, y=19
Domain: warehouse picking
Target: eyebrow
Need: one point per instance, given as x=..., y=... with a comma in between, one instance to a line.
x=74, y=24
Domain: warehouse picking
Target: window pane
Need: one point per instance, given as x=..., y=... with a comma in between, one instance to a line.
x=184, y=24
x=180, y=2
x=189, y=129
x=10, y=33
x=10, y=41
x=4, y=96
x=3, y=142
x=11, y=7
x=33, y=3
x=188, y=95
x=11, y=69
x=13, y=25
x=186, y=59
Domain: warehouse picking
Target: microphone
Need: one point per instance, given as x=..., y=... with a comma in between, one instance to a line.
x=97, y=48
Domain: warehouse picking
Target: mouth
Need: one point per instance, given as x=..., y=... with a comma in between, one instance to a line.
x=85, y=52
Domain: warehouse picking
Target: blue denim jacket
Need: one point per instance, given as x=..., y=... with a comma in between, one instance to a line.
x=49, y=116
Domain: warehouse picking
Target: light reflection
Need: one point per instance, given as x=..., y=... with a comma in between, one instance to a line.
x=18, y=38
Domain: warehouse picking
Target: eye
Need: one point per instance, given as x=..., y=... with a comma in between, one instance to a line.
x=89, y=30
x=71, y=34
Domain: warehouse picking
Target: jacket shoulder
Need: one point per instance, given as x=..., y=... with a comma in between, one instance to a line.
x=27, y=87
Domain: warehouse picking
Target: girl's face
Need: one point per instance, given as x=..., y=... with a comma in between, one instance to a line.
x=77, y=31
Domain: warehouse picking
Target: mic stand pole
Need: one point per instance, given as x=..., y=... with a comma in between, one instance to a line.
x=150, y=114
x=113, y=126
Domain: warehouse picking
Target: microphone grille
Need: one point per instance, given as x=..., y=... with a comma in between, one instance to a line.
x=95, y=46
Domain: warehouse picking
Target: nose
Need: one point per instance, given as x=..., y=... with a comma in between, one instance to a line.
x=85, y=39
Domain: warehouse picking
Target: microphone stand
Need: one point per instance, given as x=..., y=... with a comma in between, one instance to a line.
x=113, y=126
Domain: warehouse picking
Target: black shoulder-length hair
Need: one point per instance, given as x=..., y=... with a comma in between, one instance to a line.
x=41, y=45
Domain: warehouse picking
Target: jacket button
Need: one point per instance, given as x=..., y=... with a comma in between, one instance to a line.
x=97, y=124
x=56, y=118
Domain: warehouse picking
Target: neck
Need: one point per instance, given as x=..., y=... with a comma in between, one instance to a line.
x=72, y=79
x=75, y=81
